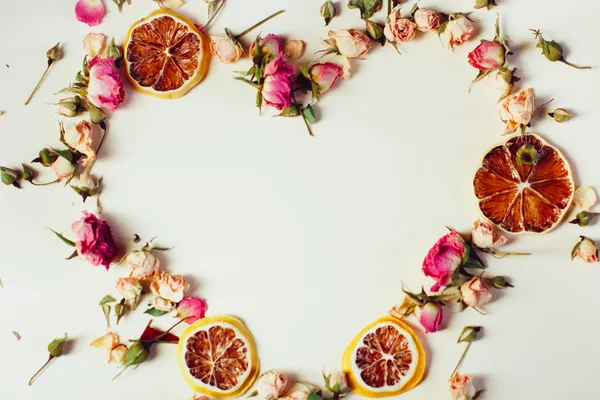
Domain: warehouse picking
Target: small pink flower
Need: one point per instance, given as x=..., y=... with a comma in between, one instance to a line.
x=443, y=258
x=430, y=316
x=105, y=89
x=277, y=87
x=94, y=241
x=461, y=387
x=484, y=236
x=476, y=292
x=399, y=29
x=271, y=385
x=192, y=309
x=457, y=31
x=487, y=56
x=324, y=74
x=89, y=11
x=427, y=20
x=270, y=45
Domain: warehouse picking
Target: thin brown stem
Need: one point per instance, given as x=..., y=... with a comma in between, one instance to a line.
x=41, y=369
x=573, y=65
x=44, y=184
x=40, y=82
x=212, y=17
x=259, y=24
x=461, y=359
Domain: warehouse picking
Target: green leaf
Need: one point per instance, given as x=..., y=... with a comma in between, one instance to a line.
x=473, y=254
x=106, y=311
x=575, y=248
x=79, y=91
x=67, y=154
x=367, y=7
x=309, y=114
x=107, y=299
x=314, y=396
x=154, y=312
x=64, y=239
x=473, y=266
x=291, y=111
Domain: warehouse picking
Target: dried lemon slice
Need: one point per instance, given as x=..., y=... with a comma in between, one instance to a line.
x=165, y=54
x=217, y=357
x=385, y=359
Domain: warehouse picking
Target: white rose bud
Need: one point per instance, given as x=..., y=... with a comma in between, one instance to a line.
x=476, y=292
x=484, y=236
x=271, y=385
x=336, y=382
x=225, y=48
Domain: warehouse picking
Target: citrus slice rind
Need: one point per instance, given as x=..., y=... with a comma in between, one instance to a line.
x=385, y=359
x=165, y=54
x=521, y=198
x=217, y=357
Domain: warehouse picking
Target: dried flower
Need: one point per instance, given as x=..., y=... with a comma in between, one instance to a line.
x=399, y=29
x=443, y=258
x=56, y=348
x=93, y=44
x=336, y=383
x=142, y=263
x=79, y=138
x=324, y=74
x=484, y=236
x=105, y=88
x=584, y=218
x=427, y=20
x=63, y=168
x=469, y=334
x=271, y=385
x=169, y=288
x=191, y=309
x=131, y=290
x=430, y=316
x=586, y=249
x=277, y=86
x=484, y=3
x=94, y=241
x=294, y=49
x=351, y=43
x=502, y=79
x=375, y=31
x=517, y=111
x=560, y=115
x=9, y=177
x=328, y=11
x=476, y=292
x=461, y=387
x=226, y=48
x=457, y=30
x=68, y=107
x=552, y=50
x=585, y=198
x=89, y=11
x=487, y=56
x=53, y=55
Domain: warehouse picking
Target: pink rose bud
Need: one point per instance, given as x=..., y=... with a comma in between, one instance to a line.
x=427, y=20
x=93, y=44
x=336, y=382
x=517, y=111
x=191, y=309
x=225, y=48
x=324, y=74
x=94, y=241
x=351, y=43
x=89, y=11
x=105, y=88
x=586, y=249
x=484, y=236
x=458, y=30
x=399, y=29
x=487, y=56
x=476, y=292
x=271, y=385
x=277, y=86
x=443, y=258
x=430, y=316
x=270, y=45
x=461, y=387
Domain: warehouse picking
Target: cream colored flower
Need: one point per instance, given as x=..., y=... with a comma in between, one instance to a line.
x=585, y=198
x=271, y=385
x=143, y=264
x=62, y=168
x=169, y=287
x=294, y=49
x=351, y=43
x=484, y=236
x=117, y=354
x=106, y=341
x=476, y=292
x=93, y=44
x=457, y=31
x=79, y=137
x=225, y=48
x=517, y=111
x=130, y=289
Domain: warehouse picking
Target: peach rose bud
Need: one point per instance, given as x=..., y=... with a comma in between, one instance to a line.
x=225, y=48
x=461, y=387
x=427, y=20
x=336, y=382
x=457, y=30
x=586, y=249
x=476, y=292
x=271, y=385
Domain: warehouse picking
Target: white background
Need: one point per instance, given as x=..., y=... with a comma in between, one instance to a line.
x=307, y=239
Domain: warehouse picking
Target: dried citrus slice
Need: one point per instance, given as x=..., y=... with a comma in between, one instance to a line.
x=165, y=54
x=217, y=356
x=384, y=359
x=522, y=195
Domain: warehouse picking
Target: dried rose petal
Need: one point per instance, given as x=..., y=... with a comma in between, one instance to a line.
x=585, y=198
x=89, y=11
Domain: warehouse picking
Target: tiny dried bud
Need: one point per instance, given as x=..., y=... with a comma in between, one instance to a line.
x=120, y=310
x=560, y=115
x=9, y=177
x=586, y=249
x=484, y=3
x=469, y=334
x=114, y=51
x=137, y=354
x=552, y=50
x=499, y=282
x=56, y=348
x=527, y=154
x=53, y=54
x=584, y=218
x=96, y=114
x=47, y=157
x=328, y=11
x=375, y=31
x=68, y=107
x=28, y=173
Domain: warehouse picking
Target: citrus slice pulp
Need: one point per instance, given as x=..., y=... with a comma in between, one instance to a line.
x=385, y=359
x=165, y=54
x=217, y=357
x=520, y=197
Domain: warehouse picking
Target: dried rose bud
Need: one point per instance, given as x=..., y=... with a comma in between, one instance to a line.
x=46, y=157
x=469, y=334
x=484, y=3
x=56, y=348
x=552, y=50
x=561, y=115
x=114, y=51
x=527, y=155
x=328, y=11
x=68, y=107
x=9, y=177
x=336, y=383
x=28, y=173
x=584, y=218
x=499, y=282
x=53, y=54
x=294, y=49
x=586, y=249
x=375, y=31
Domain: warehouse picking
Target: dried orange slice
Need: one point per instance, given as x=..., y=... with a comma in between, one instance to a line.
x=217, y=357
x=520, y=195
x=165, y=54
x=384, y=359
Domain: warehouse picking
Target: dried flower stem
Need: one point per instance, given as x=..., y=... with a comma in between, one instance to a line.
x=502, y=254
x=212, y=17
x=50, y=62
x=41, y=369
x=310, y=132
x=237, y=37
x=573, y=65
x=461, y=359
